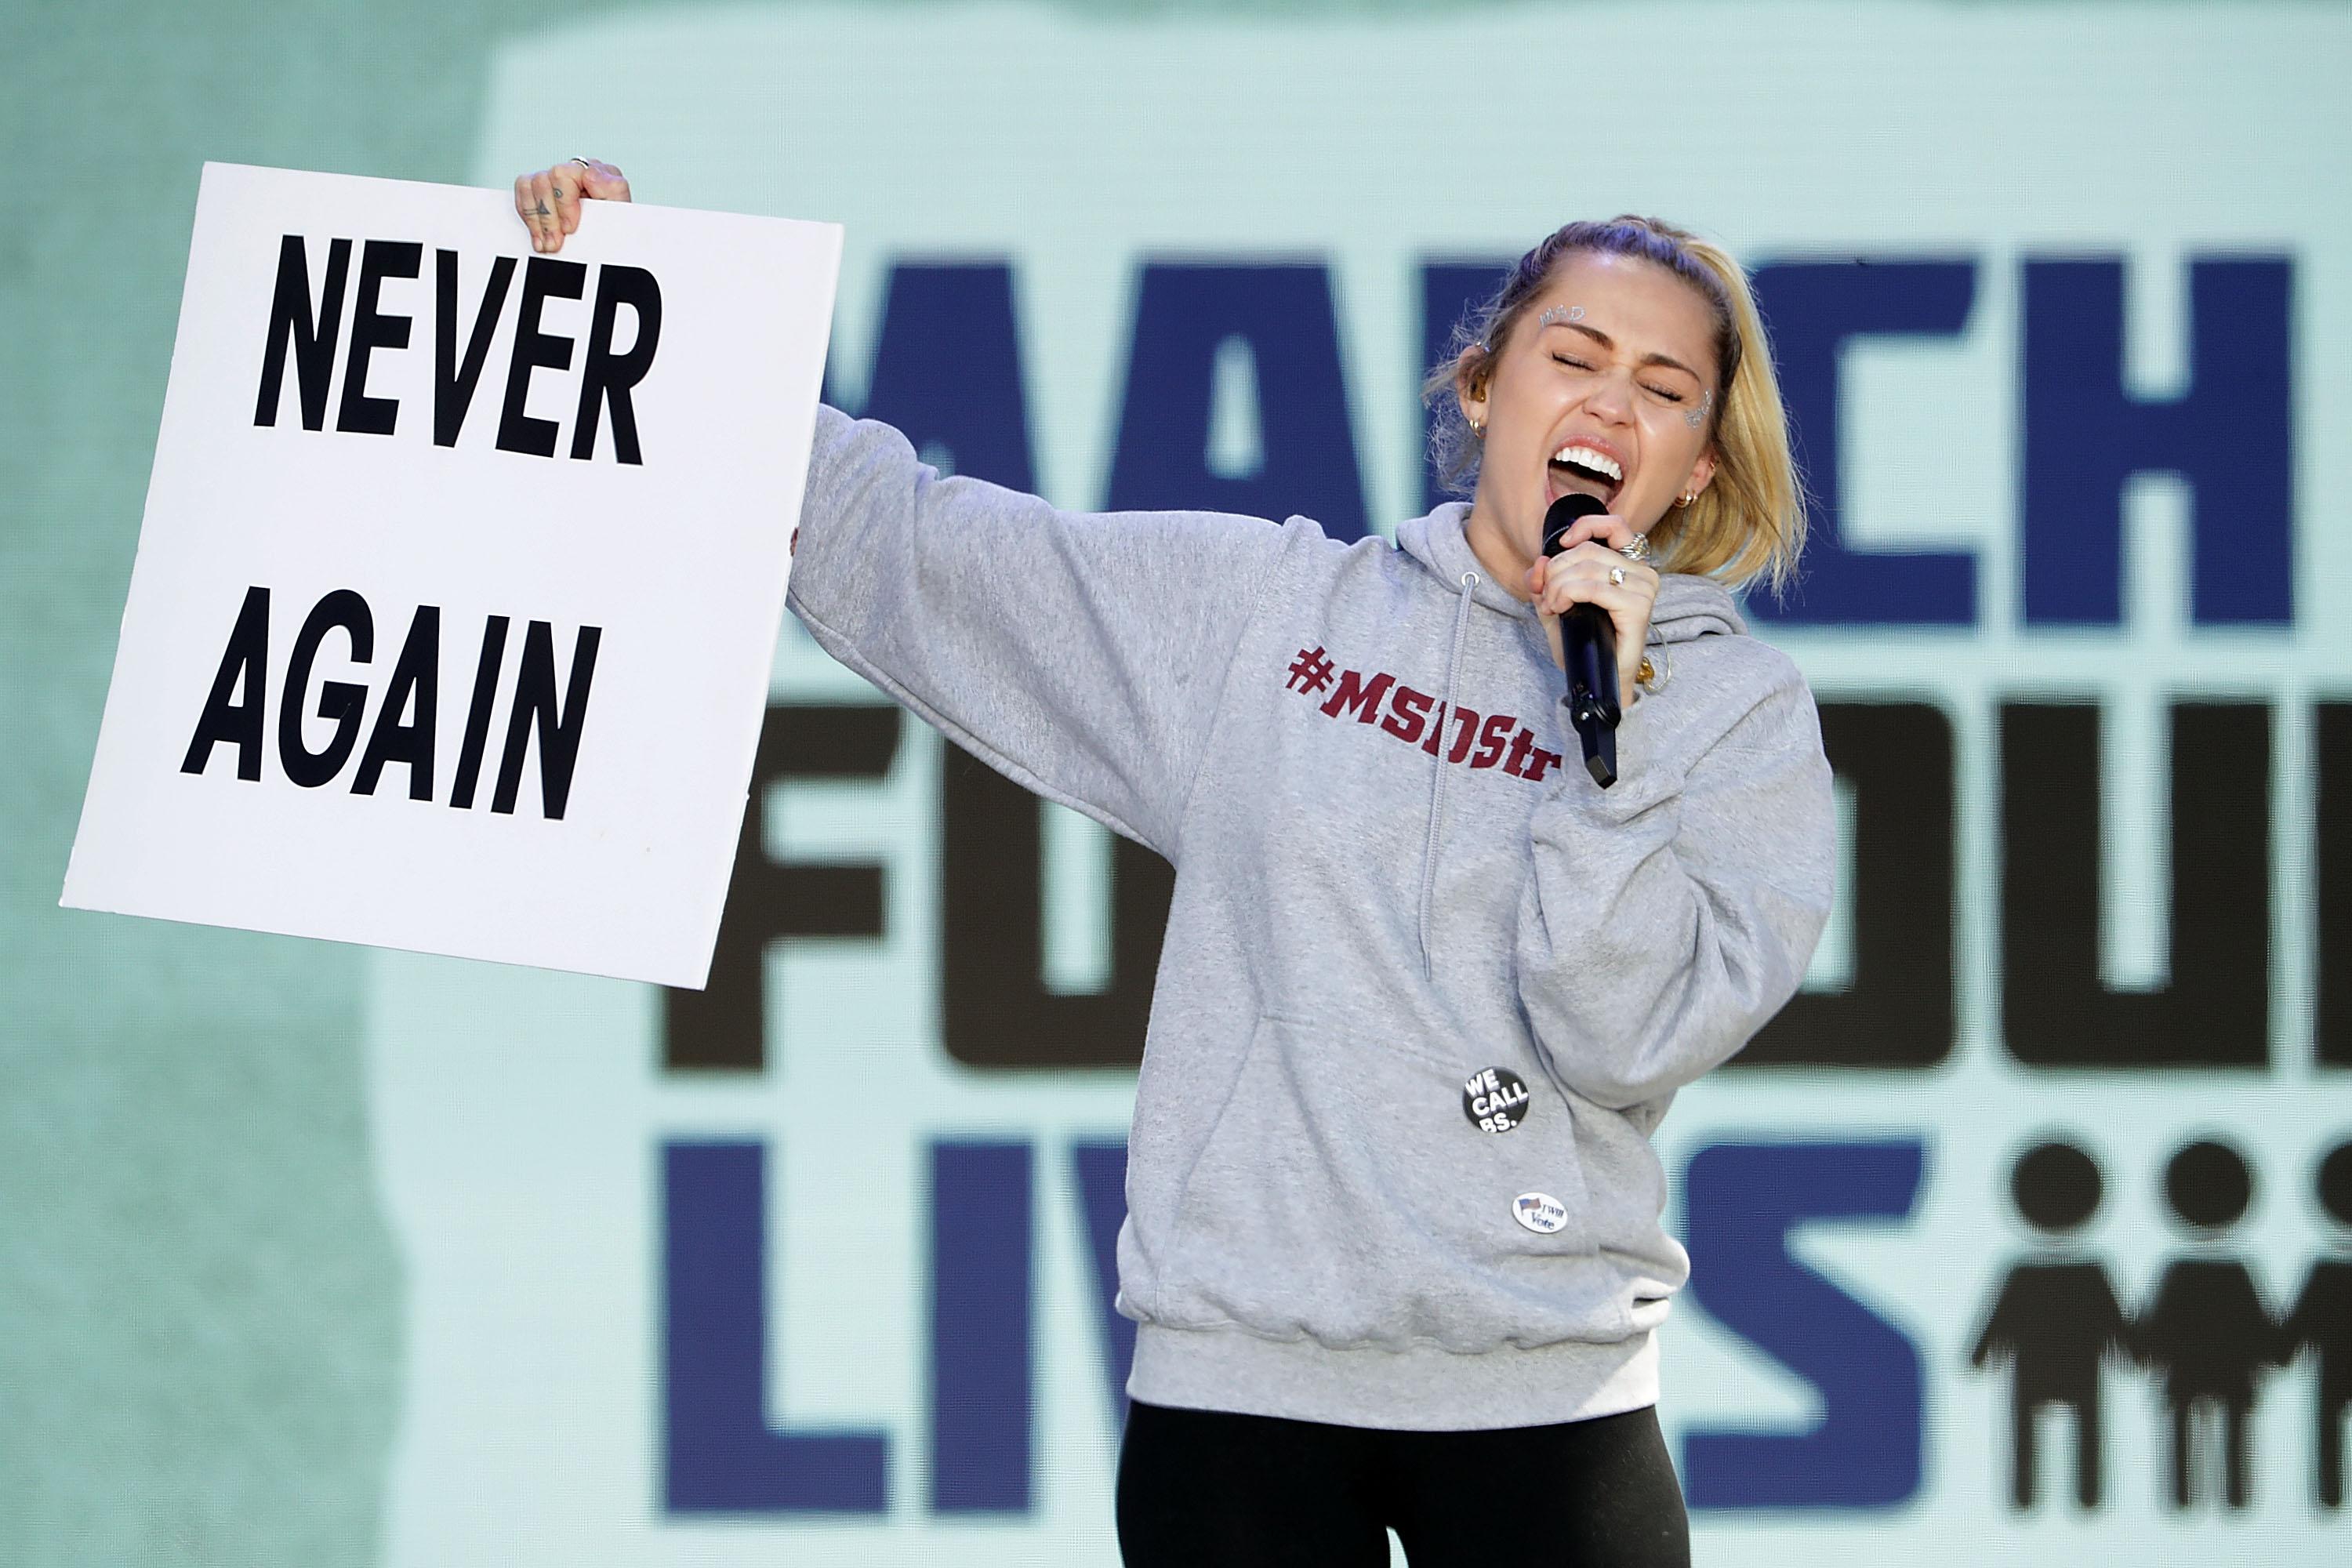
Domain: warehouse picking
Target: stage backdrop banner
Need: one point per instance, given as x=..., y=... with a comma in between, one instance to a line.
x=2011, y=1238
x=460, y=580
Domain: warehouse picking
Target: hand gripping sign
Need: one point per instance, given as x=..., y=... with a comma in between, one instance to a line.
x=461, y=573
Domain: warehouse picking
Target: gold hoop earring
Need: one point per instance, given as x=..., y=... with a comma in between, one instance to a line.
x=1687, y=500
x=1478, y=428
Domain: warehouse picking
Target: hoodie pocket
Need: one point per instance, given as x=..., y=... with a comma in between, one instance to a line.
x=1344, y=1195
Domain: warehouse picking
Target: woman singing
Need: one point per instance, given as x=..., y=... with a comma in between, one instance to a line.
x=1392, y=1240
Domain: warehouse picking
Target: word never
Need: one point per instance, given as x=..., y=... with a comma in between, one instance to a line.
x=309, y=330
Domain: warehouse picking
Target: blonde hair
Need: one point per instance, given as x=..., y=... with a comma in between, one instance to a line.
x=1749, y=521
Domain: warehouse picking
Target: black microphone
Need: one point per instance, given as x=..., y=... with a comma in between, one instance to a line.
x=1589, y=640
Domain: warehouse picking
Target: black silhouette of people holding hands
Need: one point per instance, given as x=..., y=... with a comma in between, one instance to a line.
x=2321, y=1322
x=2056, y=1319
x=2204, y=1332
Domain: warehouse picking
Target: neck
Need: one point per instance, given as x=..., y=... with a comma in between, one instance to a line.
x=1506, y=564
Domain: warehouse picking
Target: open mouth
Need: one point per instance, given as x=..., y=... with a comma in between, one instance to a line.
x=1578, y=468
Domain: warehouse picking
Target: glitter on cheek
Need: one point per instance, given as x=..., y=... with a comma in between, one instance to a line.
x=1696, y=418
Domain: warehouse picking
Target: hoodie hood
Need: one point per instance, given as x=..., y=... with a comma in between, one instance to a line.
x=1688, y=606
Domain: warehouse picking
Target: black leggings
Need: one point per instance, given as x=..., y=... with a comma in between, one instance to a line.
x=1202, y=1487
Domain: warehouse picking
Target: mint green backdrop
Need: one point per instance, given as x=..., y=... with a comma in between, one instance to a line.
x=310, y=1256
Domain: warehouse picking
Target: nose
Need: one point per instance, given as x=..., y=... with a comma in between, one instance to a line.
x=1611, y=397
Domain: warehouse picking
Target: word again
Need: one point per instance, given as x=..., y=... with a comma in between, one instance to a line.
x=309, y=329
x=406, y=720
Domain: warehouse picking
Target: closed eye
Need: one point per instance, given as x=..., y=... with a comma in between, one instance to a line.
x=1667, y=393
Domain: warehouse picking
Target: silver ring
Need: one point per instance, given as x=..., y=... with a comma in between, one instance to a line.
x=1639, y=550
x=1617, y=575
x=583, y=164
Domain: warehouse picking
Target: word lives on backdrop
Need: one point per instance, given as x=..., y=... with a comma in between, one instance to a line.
x=2028, y=1222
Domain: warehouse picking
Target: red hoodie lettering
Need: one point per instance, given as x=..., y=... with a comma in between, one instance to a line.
x=1416, y=718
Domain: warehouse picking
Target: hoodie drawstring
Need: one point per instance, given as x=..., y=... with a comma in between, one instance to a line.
x=1437, y=774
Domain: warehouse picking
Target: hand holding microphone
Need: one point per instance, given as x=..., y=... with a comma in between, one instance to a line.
x=1602, y=601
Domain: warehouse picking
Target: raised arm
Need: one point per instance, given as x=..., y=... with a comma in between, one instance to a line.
x=1080, y=654
x=1665, y=925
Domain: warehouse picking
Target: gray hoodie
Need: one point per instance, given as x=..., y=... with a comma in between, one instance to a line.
x=1387, y=882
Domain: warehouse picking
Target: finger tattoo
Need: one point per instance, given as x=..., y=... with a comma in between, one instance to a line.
x=541, y=210
x=559, y=193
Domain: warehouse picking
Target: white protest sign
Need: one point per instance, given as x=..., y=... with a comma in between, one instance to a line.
x=460, y=575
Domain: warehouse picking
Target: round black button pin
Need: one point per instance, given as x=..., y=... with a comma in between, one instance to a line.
x=1495, y=1101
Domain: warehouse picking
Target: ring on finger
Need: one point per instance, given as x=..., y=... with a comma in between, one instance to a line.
x=1617, y=576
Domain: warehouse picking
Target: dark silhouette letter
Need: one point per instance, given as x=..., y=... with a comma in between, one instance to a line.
x=605, y=376
x=453, y=383
x=2231, y=436
x=372, y=330
x=2214, y=1010
x=543, y=277
x=341, y=700
x=312, y=335
x=723, y=1027
x=241, y=724
x=719, y=1454
x=1815, y=309
x=1184, y=313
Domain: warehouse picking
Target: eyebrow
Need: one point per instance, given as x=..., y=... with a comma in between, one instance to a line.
x=1606, y=341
